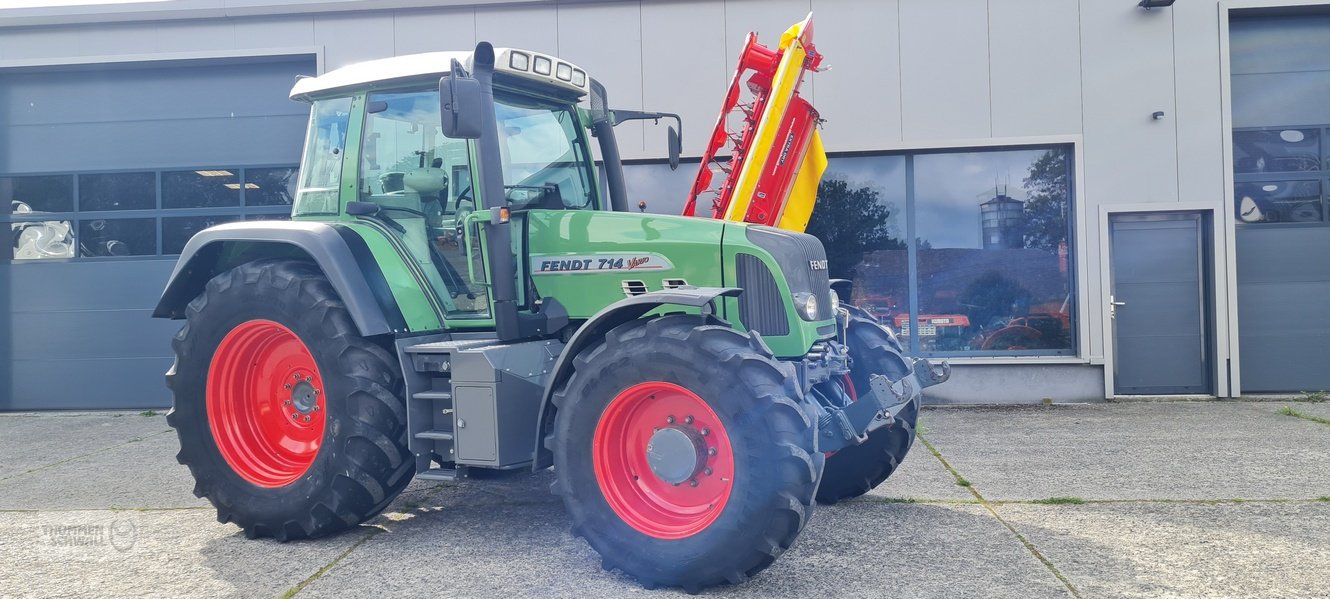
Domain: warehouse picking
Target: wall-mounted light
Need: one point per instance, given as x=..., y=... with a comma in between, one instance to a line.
x=1149, y=4
x=1158, y=115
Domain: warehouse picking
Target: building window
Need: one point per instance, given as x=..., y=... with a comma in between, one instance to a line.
x=1280, y=175
x=126, y=214
x=989, y=269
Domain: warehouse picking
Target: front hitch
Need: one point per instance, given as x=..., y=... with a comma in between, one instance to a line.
x=885, y=399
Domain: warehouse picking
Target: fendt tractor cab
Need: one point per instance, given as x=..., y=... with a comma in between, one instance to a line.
x=455, y=294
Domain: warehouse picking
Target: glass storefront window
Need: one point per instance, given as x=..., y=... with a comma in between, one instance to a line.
x=860, y=218
x=117, y=237
x=993, y=269
x=990, y=259
x=270, y=186
x=44, y=193
x=117, y=191
x=205, y=188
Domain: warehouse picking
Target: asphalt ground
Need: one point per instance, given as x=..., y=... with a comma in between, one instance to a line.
x=1177, y=499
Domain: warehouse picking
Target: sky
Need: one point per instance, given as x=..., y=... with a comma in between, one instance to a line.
x=948, y=188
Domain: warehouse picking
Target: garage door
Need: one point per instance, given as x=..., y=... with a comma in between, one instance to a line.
x=104, y=174
x=1281, y=166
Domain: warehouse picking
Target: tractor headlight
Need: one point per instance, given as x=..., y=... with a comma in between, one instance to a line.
x=835, y=303
x=806, y=304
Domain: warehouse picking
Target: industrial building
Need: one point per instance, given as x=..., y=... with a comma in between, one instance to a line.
x=1068, y=200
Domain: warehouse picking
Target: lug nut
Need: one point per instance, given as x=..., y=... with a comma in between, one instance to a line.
x=286, y=386
x=669, y=419
x=296, y=375
x=711, y=451
x=706, y=471
x=706, y=431
x=306, y=417
x=692, y=483
x=316, y=407
x=287, y=402
x=295, y=416
x=688, y=420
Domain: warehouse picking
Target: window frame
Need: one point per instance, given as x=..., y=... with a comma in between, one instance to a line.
x=157, y=213
x=1322, y=175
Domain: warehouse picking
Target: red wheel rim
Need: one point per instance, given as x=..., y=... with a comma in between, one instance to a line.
x=265, y=402
x=644, y=498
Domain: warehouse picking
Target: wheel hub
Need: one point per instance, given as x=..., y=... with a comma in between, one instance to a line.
x=675, y=454
x=304, y=397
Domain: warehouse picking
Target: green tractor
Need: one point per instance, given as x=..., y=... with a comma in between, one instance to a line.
x=456, y=293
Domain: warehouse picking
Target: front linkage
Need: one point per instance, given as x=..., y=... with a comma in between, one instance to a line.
x=848, y=418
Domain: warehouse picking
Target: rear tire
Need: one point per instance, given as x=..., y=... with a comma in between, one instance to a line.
x=291, y=423
x=624, y=390
x=858, y=469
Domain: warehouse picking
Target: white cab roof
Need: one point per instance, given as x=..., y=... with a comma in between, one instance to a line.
x=521, y=63
x=384, y=69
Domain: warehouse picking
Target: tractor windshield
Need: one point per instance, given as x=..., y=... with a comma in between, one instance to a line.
x=545, y=164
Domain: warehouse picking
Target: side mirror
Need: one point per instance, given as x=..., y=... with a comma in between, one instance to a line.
x=460, y=104
x=676, y=147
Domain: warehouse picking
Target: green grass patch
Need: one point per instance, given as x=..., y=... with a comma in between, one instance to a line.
x=1313, y=396
x=962, y=482
x=1060, y=501
x=1325, y=498
x=1289, y=411
x=150, y=413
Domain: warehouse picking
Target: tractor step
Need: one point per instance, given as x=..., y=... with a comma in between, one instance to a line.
x=433, y=395
x=435, y=435
x=444, y=474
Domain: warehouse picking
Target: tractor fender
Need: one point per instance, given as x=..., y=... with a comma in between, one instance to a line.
x=341, y=254
x=594, y=329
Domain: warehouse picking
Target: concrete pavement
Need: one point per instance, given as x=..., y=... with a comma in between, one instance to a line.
x=1187, y=499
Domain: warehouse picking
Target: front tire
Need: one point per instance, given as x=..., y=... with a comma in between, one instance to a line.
x=291, y=423
x=684, y=452
x=858, y=469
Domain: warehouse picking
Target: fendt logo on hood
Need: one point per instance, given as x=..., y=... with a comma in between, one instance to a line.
x=817, y=264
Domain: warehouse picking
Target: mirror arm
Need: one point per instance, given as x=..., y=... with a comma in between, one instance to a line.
x=621, y=116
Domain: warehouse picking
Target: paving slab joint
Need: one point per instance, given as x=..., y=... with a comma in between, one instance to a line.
x=1029, y=546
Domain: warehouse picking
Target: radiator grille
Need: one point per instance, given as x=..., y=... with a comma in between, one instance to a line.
x=761, y=307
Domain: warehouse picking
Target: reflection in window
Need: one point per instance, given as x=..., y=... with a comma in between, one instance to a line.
x=270, y=186
x=860, y=219
x=177, y=231
x=992, y=258
x=208, y=188
x=46, y=193
x=1276, y=150
x=118, y=237
x=42, y=240
x=1278, y=201
x=664, y=191
x=117, y=191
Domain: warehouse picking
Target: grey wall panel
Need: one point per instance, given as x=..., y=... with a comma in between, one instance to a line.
x=861, y=96
x=351, y=38
x=1035, y=70
x=274, y=32
x=208, y=114
x=87, y=285
x=195, y=36
x=944, y=69
x=91, y=334
x=532, y=27
x=1018, y=384
x=1283, y=323
x=1197, y=116
x=769, y=19
x=89, y=384
x=613, y=54
x=687, y=77
x=433, y=31
x=1129, y=157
